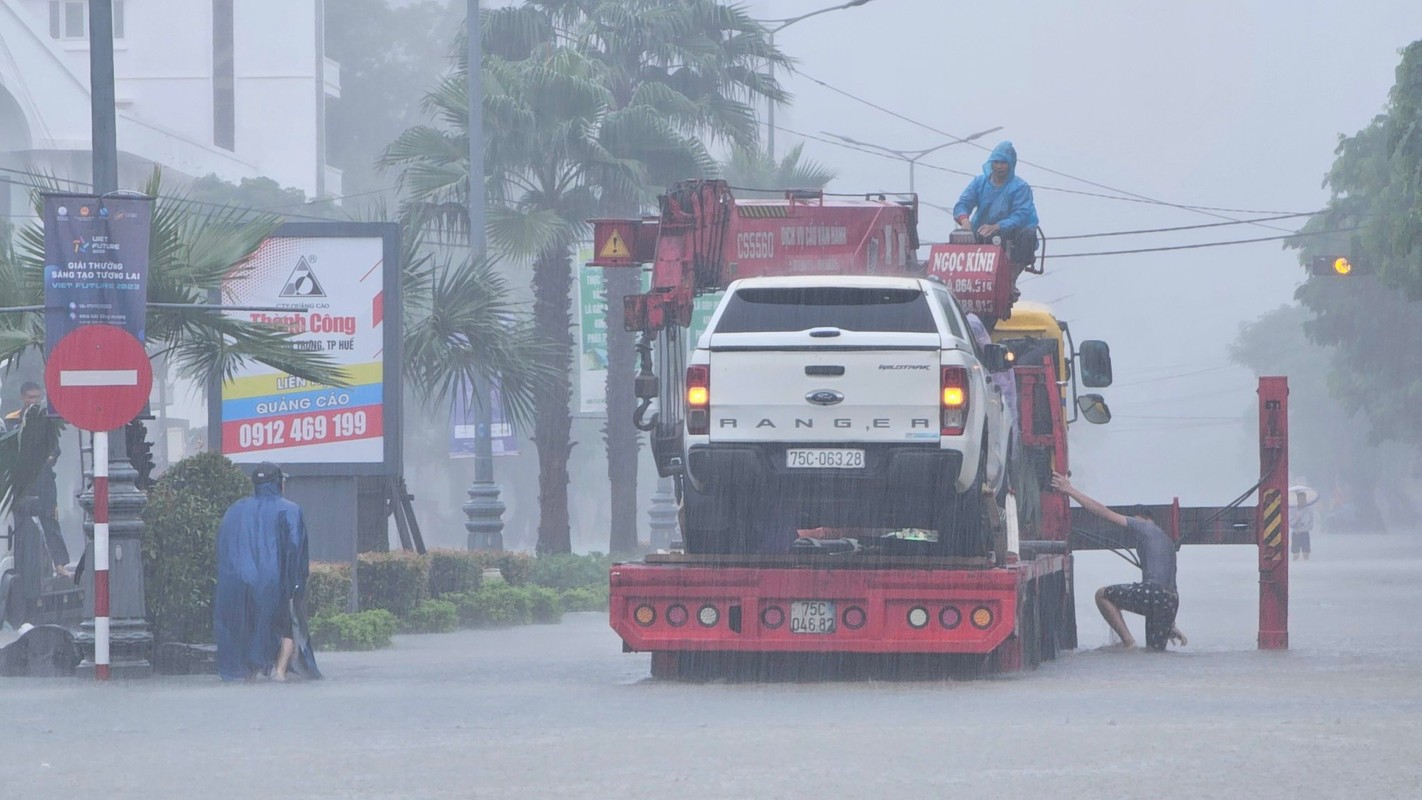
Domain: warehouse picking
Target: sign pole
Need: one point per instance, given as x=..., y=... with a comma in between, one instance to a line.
x=101, y=555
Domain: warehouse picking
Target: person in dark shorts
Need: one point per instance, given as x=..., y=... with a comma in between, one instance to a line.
x=1154, y=597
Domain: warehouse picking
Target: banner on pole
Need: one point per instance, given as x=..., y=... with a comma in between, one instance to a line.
x=95, y=263
x=463, y=425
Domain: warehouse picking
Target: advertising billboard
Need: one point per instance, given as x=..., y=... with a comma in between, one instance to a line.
x=335, y=287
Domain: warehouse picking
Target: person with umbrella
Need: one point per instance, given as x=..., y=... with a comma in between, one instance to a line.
x=1301, y=519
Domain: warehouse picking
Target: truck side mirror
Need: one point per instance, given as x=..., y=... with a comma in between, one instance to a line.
x=1095, y=358
x=1093, y=407
x=996, y=358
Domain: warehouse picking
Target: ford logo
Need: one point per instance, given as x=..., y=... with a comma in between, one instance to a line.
x=825, y=397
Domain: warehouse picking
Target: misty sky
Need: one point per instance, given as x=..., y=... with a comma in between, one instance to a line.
x=1235, y=105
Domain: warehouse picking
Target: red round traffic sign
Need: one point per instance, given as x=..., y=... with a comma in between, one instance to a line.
x=98, y=377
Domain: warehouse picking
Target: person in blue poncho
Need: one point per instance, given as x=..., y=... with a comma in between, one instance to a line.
x=262, y=567
x=998, y=203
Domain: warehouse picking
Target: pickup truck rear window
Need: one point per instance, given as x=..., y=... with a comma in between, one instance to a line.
x=753, y=310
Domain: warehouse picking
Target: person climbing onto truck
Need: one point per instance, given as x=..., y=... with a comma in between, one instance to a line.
x=998, y=203
x=1155, y=597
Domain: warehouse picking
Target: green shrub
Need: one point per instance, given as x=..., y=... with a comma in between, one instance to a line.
x=364, y=630
x=515, y=567
x=455, y=571
x=544, y=604
x=328, y=590
x=496, y=605
x=567, y=571
x=584, y=598
x=396, y=582
x=185, y=508
x=433, y=616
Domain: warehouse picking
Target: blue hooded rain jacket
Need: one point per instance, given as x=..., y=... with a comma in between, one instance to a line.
x=262, y=567
x=1009, y=206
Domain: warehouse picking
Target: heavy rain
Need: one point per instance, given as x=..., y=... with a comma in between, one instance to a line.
x=842, y=399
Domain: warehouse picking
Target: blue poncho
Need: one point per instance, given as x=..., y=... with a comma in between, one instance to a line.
x=262, y=566
x=1009, y=206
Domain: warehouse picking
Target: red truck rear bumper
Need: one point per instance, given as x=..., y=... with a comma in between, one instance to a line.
x=683, y=608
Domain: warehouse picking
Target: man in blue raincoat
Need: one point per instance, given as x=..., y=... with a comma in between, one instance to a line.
x=998, y=203
x=262, y=567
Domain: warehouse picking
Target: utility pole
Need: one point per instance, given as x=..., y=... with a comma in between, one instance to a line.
x=484, y=511
x=780, y=25
x=131, y=641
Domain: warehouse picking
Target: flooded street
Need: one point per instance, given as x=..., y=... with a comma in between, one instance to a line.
x=558, y=711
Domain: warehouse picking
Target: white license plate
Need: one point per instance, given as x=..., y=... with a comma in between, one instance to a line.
x=824, y=458
x=812, y=616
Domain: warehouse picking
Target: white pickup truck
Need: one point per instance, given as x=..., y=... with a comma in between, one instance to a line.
x=841, y=402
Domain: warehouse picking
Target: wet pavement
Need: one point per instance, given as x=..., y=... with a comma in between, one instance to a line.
x=559, y=711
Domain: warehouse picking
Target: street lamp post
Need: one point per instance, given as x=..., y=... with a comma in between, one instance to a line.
x=912, y=156
x=780, y=25
x=484, y=511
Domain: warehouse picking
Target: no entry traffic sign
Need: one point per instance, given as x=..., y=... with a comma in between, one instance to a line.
x=98, y=377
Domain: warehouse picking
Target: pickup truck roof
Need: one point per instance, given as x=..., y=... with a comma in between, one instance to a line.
x=850, y=281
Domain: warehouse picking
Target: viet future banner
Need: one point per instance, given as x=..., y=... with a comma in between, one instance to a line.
x=330, y=292
x=95, y=263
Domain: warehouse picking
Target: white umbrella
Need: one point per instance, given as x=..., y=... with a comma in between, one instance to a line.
x=1300, y=495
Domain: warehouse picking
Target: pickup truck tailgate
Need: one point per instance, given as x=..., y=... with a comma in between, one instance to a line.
x=849, y=388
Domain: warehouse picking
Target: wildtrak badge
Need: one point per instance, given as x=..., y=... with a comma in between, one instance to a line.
x=903, y=366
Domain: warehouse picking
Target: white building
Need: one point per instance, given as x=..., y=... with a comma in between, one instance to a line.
x=232, y=87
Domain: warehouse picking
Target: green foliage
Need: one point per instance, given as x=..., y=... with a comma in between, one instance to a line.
x=328, y=589
x=365, y=630
x=496, y=605
x=585, y=598
x=185, y=508
x=455, y=571
x=1374, y=217
x=432, y=616
x=396, y=582
x=516, y=568
x=568, y=571
x=544, y=604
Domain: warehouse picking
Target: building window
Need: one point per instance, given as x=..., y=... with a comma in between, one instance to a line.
x=68, y=19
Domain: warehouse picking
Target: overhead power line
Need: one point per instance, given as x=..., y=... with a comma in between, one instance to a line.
x=927, y=127
x=1202, y=244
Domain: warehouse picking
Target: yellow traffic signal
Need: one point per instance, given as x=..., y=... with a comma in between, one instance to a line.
x=1332, y=265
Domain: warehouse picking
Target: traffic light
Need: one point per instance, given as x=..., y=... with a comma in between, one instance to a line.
x=1341, y=266
x=140, y=453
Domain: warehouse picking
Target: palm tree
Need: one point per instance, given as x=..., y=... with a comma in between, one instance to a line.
x=676, y=73
x=753, y=173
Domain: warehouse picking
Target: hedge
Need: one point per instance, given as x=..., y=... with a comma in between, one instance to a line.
x=584, y=598
x=455, y=571
x=565, y=571
x=432, y=616
x=328, y=590
x=185, y=508
x=396, y=582
x=364, y=630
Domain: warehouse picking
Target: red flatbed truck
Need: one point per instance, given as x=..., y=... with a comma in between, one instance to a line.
x=1007, y=610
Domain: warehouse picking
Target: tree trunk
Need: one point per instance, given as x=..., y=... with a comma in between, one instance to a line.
x=622, y=437
x=552, y=280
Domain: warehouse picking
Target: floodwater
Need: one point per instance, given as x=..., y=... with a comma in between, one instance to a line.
x=559, y=711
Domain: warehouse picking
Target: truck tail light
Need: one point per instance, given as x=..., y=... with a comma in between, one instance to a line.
x=698, y=399
x=953, y=392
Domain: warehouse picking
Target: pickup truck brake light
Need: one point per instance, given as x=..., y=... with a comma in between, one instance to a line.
x=954, y=396
x=698, y=399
